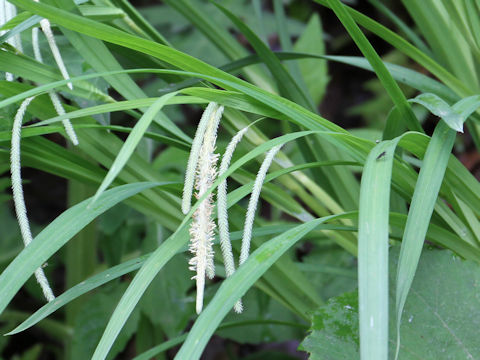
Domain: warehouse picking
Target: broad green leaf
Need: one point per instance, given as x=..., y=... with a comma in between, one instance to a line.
x=435, y=328
x=313, y=71
x=92, y=318
x=334, y=333
x=286, y=44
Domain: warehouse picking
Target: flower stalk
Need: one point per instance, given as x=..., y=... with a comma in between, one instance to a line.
x=17, y=189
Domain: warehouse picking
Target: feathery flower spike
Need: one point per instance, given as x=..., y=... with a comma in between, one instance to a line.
x=201, y=230
x=223, y=230
x=18, y=199
x=53, y=95
x=253, y=202
x=193, y=158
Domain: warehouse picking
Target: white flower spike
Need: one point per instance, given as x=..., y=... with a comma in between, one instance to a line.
x=53, y=95
x=253, y=202
x=202, y=228
x=47, y=30
x=18, y=199
x=193, y=159
x=223, y=229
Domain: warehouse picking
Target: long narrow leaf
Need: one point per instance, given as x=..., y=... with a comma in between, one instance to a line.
x=421, y=209
x=235, y=286
x=131, y=143
x=371, y=55
x=404, y=46
x=165, y=252
x=57, y=233
x=373, y=251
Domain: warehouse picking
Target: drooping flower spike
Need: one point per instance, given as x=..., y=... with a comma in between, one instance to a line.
x=223, y=228
x=53, y=95
x=253, y=202
x=201, y=171
x=251, y=209
x=18, y=199
x=47, y=30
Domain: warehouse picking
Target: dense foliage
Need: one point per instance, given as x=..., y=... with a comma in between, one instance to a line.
x=336, y=198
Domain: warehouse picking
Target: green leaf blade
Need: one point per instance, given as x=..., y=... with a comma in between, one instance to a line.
x=373, y=235
x=236, y=285
x=131, y=143
x=421, y=209
x=56, y=234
